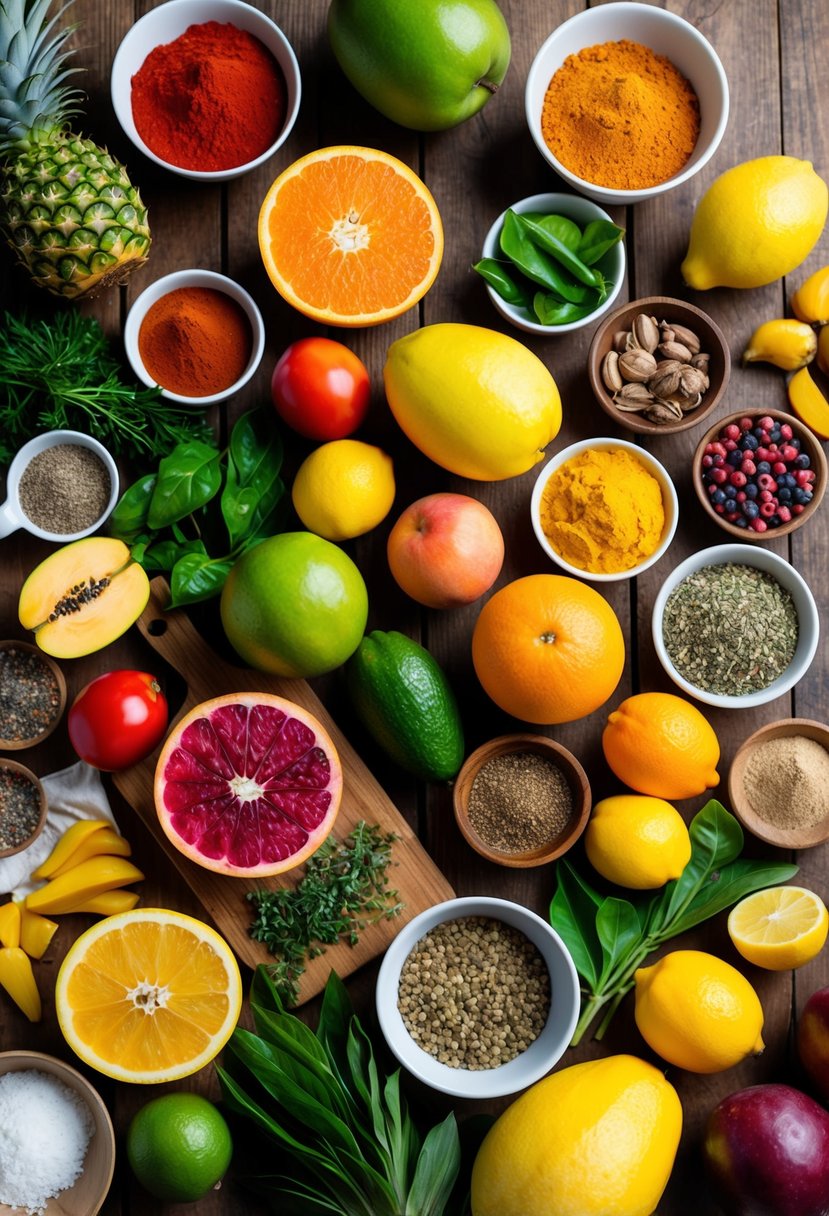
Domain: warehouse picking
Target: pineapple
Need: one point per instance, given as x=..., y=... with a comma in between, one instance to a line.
x=67, y=208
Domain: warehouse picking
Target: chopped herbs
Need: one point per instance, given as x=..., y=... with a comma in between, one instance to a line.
x=345, y=888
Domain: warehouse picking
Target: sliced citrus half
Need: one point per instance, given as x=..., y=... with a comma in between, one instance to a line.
x=248, y=784
x=780, y=927
x=350, y=236
x=149, y=995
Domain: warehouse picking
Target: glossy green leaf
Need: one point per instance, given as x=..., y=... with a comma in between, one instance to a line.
x=436, y=1170
x=716, y=840
x=546, y=241
x=549, y=310
x=598, y=237
x=197, y=577
x=129, y=519
x=573, y=912
x=535, y=264
x=498, y=277
x=618, y=929
x=724, y=888
x=558, y=226
x=187, y=479
x=252, y=483
x=164, y=554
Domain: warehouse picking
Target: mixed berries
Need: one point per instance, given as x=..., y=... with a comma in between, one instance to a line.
x=756, y=475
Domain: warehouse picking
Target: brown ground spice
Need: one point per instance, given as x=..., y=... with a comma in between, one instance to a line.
x=519, y=801
x=787, y=781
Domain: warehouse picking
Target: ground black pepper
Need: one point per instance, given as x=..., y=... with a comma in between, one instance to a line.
x=64, y=489
x=474, y=993
x=519, y=801
x=29, y=695
x=19, y=808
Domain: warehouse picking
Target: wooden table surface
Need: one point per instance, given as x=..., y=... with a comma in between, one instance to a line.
x=774, y=56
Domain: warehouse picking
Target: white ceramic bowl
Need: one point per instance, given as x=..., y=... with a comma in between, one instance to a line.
x=664, y=33
x=787, y=577
x=194, y=278
x=669, y=502
x=582, y=212
x=169, y=21
x=526, y=1068
x=12, y=515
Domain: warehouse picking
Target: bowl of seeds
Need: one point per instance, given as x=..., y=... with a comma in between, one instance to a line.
x=658, y=365
x=22, y=807
x=32, y=695
x=778, y=780
x=735, y=626
x=521, y=800
x=477, y=997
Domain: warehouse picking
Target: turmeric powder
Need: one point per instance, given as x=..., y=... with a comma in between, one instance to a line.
x=602, y=511
x=621, y=116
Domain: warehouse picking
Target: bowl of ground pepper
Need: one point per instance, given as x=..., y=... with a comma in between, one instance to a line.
x=521, y=800
x=32, y=695
x=626, y=101
x=61, y=486
x=477, y=997
x=23, y=807
x=778, y=783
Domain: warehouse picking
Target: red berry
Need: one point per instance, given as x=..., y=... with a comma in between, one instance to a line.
x=761, y=453
x=741, y=496
x=718, y=449
x=765, y=496
x=766, y=482
x=730, y=445
x=803, y=477
x=707, y=462
x=766, y=423
x=798, y=508
x=737, y=478
x=779, y=467
x=708, y=449
x=719, y=476
x=731, y=432
x=712, y=487
x=748, y=467
x=746, y=424
x=787, y=452
x=718, y=460
x=767, y=509
x=758, y=525
x=785, y=514
x=732, y=515
x=786, y=431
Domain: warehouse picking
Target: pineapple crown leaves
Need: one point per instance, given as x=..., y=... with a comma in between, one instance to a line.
x=33, y=73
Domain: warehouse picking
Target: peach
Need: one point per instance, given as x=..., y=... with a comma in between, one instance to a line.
x=446, y=550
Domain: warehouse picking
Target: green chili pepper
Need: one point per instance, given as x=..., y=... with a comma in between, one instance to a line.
x=558, y=226
x=551, y=311
x=543, y=239
x=598, y=237
x=501, y=281
x=534, y=263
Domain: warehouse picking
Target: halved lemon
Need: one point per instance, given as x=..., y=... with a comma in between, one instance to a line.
x=780, y=927
x=350, y=236
x=149, y=995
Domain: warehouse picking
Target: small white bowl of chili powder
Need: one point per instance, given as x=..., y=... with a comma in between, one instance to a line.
x=209, y=89
x=626, y=101
x=196, y=334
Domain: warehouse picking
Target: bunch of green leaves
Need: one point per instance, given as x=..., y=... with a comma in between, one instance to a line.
x=345, y=887
x=203, y=501
x=609, y=938
x=60, y=374
x=551, y=252
x=336, y=1135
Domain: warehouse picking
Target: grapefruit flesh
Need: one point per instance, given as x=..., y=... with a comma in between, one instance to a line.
x=248, y=784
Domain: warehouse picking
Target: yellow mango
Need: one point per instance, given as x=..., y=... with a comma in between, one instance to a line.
x=108, y=903
x=809, y=403
x=786, y=343
x=18, y=979
x=83, y=881
x=823, y=350
x=105, y=841
x=36, y=932
x=811, y=300
x=71, y=840
x=10, y=924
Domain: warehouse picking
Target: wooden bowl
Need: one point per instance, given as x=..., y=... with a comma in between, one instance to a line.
x=13, y=745
x=541, y=746
x=668, y=309
x=808, y=444
x=41, y=823
x=784, y=838
x=87, y=1195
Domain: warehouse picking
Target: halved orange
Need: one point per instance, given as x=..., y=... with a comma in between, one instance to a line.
x=350, y=236
x=149, y=995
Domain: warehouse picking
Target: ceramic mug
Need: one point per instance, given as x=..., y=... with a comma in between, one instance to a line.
x=12, y=515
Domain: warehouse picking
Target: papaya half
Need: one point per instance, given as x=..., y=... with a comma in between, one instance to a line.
x=83, y=596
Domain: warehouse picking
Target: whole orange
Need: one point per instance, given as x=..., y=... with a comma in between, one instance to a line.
x=660, y=744
x=548, y=649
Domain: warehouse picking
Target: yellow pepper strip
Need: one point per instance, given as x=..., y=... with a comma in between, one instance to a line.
x=68, y=843
x=10, y=924
x=108, y=903
x=18, y=979
x=811, y=300
x=809, y=403
x=105, y=841
x=81, y=883
x=786, y=343
x=823, y=350
x=36, y=932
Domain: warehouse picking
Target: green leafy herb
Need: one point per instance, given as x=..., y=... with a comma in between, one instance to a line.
x=609, y=938
x=531, y=259
x=550, y=243
x=60, y=374
x=201, y=500
x=345, y=888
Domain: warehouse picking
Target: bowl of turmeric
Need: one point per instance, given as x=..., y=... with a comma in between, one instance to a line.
x=604, y=510
x=626, y=101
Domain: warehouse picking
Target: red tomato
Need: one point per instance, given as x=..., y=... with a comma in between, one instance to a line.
x=118, y=719
x=321, y=389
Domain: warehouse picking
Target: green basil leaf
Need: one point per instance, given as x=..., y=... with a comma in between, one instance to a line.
x=727, y=886
x=544, y=240
x=165, y=553
x=188, y=478
x=197, y=577
x=618, y=929
x=436, y=1170
x=598, y=237
x=534, y=263
x=551, y=311
x=501, y=281
x=129, y=519
x=252, y=485
x=716, y=840
x=573, y=912
x=559, y=226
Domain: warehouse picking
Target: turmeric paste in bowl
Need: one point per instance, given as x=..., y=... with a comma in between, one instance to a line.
x=604, y=509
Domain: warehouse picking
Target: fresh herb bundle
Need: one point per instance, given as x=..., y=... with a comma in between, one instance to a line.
x=201, y=497
x=345, y=888
x=341, y=1135
x=609, y=938
x=61, y=374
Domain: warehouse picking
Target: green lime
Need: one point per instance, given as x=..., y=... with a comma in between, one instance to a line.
x=179, y=1147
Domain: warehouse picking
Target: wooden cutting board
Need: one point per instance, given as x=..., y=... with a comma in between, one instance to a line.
x=414, y=875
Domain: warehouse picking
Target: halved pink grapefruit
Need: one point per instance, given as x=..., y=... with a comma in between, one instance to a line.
x=248, y=784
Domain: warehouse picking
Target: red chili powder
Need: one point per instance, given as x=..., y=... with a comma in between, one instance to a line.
x=195, y=341
x=212, y=99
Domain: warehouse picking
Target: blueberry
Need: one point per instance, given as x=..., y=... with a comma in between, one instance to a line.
x=800, y=496
x=790, y=480
x=763, y=467
x=784, y=494
x=749, y=443
x=740, y=522
x=759, y=432
x=774, y=434
x=719, y=496
x=751, y=490
x=750, y=509
x=795, y=443
x=735, y=458
x=731, y=505
x=803, y=461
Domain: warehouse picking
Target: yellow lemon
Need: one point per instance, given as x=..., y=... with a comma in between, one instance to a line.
x=637, y=841
x=594, y=1139
x=755, y=223
x=475, y=401
x=343, y=489
x=697, y=1011
x=779, y=928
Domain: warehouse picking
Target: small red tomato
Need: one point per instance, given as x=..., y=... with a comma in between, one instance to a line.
x=321, y=389
x=118, y=719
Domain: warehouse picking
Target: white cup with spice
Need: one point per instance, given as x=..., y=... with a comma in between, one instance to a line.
x=61, y=486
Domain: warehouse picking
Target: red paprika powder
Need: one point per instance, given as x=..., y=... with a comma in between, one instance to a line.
x=195, y=341
x=212, y=99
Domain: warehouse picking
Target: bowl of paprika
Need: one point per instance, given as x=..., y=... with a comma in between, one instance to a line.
x=206, y=88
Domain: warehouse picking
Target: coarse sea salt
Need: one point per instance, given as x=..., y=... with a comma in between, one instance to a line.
x=45, y=1128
